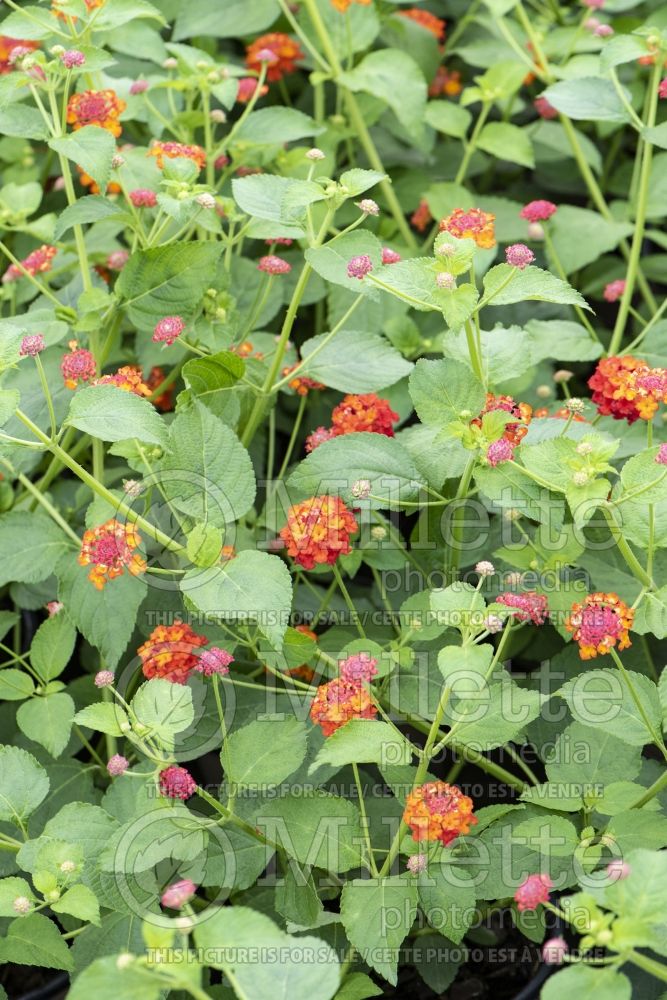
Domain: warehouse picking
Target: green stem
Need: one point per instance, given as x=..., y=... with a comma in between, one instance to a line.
x=456, y=527
x=47, y=395
x=348, y=600
x=630, y=558
x=296, y=426
x=471, y=145
x=475, y=359
x=655, y=736
x=364, y=820
x=581, y=315
x=322, y=344
x=650, y=965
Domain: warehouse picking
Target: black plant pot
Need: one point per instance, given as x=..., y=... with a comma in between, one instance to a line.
x=53, y=988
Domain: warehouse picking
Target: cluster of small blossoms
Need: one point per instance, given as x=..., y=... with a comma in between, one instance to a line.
x=358, y=667
x=318, y=531
x=614, y=290
x=390, y=256
x=167, y=330
x=38, y=262
x=301, y=384
x=530, y=606
x=143, y=198
x=426, y=20
x=32, y=345
x=177, y=895
x=117, y=260
x=360, y=266
x=538, y=211
x=71, y=58
x=117, y=765
x=519, y=255
x=214, y=661
x=356, y=414
x=7, y=47
x=102, y=108
x=661, y=457
x=339, y=701
x=77, y=366
x=127, y=378
x=471, y=225
x=421, y=218
x=600, y=623
x=176, y=783
x=533, y=891
x=278, y=50
x=170, y=652
x=271, y=264
x=544, y=108
x=445, y=83
x=247, y=88
x=110, y=550
x=627, y=389
x=177, y=150
x=438, y=811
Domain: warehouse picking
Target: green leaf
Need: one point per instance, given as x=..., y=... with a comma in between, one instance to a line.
x=458, y=663
x=375, y=365
x=210, y=379
x=331, y=260
x=252, y=587
x=447, y=898
x=642, y=473
x=548, y=835
x=602, y=698
x=569, y=341
x=508, y=487
x=22, y=121
x=206, y=472
x=363, y=741
x=445, y=391
x=587, y=98
x=587, y=983
x=116, y=13
x=585, y=756
x=104, y=980
x=507, y=142
x=276, y=199
x=457, y=606
x=31, y=23
x=167, y=831
x=276, y=125
x=103, y=716
x=167, y=281
x=581, y=236
x=35, y=940
x=501, y=80
x=237, y=18
x=105, y=618
x=92, y=208
x=377, y=74
x=10, y=888
x=318, y=829
x=334, y=467
x=651, y=616
x=357, y=180
x=242, y=929
x=48, y=721
x=92, y=148
x=296, y=896
x=413, y=281
x=529, y=284
x=639, y=898
x=358, y=986
x=447, y=117
x=15, y=685
x=265, y=752
x=165, y=708
x=364, y=908
x=80, y=902
x=23, y=784
x=111, y=414
x=53, y=645
x=622, y=49
x=30, y=546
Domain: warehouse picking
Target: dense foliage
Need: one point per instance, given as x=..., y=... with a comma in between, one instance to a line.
x=334, y=497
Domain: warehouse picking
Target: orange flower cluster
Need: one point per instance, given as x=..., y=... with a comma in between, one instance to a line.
x=165, y=401
x=174, y=150
x=471, y=225
x=421, y=217
x=365, y=412
x=96, y=107
x=627, y=388
x=37, y=262
x=438, y=811
x=170, y=652
x=599, y=623
x=343, y=5
x=318, y=531
x=246, y=350
x=427, y=20
x=445, y=83
x=339, y=701
x=301, y=384
x=521, y=412
x=128, y=378
x=285, y=50
x=7, y=46
x=562, y=413
x=109, y=549
x=87, y=181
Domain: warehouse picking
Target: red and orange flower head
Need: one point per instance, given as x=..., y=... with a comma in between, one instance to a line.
x=421, y=218
x=109, y=549
x=343, y=5
x=318, y=531
x=301, y=384
x=363, y=413
x=438, y=811
x=627, y=389
x=7, y=46
x=521, y=412
x=165, y=401
x=445, y=83
x=599, y=623
x=339, y=701
x=170, y=652
x=285, y=50
x=530, y=606
x=77, y=366
x=471, y=225
x=37, y=262
x=128, y=378
x=427, y=20
x=96, y=107
x=85, y=180
x=176, y=150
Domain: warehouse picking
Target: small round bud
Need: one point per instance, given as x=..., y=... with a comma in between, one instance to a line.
x=133, y=488
x=378, y=533
x=205, y=200
x=554, y=950
x=580, y=478
x=485, y=568
x=117, y=161
x=104, y=678
x=544, y=391
x=563, y=375
x=535, y=231
x=493, y=624
x=618, y=869
x=417, y=863
x=170, y=63
x=22, y=905
x=117, y=765
x=446, y=250
x=575, y=405
x=67, y=867
x=315, y=154
x=584, y=448
x=445, y=280
x=124, y=960
x=368, y=206
x=361, y=489
x=218, y=116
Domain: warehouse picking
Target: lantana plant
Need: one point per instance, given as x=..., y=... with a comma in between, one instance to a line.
x=333, y=498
